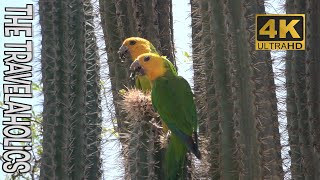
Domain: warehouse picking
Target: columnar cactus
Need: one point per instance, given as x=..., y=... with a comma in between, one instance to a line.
x=70, y=76
x=302, y=74
x=125, y=18
x=240, y=92
x=198, y=64
x=144, y=137
x=152, y=20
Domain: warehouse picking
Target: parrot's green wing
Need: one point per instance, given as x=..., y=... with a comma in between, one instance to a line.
x=173, y=100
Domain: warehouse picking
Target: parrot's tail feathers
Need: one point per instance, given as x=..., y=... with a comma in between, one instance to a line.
x=196, y=152
x=196, y=137
x=193, y=147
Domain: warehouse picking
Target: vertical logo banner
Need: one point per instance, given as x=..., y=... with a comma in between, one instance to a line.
x=16, y=87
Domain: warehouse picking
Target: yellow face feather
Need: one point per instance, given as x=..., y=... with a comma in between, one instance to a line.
x=153, y=65
x=137, y=46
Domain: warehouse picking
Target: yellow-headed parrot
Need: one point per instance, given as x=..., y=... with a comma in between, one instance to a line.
x=133, y=47
x=172, y=98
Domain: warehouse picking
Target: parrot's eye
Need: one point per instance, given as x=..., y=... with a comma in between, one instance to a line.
x=132, y=43
x=146, y=58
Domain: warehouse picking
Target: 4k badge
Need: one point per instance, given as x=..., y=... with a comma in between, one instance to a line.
x=280, y=32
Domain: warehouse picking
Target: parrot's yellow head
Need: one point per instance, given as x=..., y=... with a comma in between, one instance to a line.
x=150, y=64
x=134, y=46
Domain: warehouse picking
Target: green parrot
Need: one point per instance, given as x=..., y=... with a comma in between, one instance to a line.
x=172, y=98
x=133, y=47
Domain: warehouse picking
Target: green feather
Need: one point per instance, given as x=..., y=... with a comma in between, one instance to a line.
x=173, y=100
x=143, y=83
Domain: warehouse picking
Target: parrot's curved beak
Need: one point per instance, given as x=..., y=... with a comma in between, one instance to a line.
x=136, y=68
x=123, y=52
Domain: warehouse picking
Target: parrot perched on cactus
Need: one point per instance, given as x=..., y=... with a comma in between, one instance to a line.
x=172, y=98
x=133, y=47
